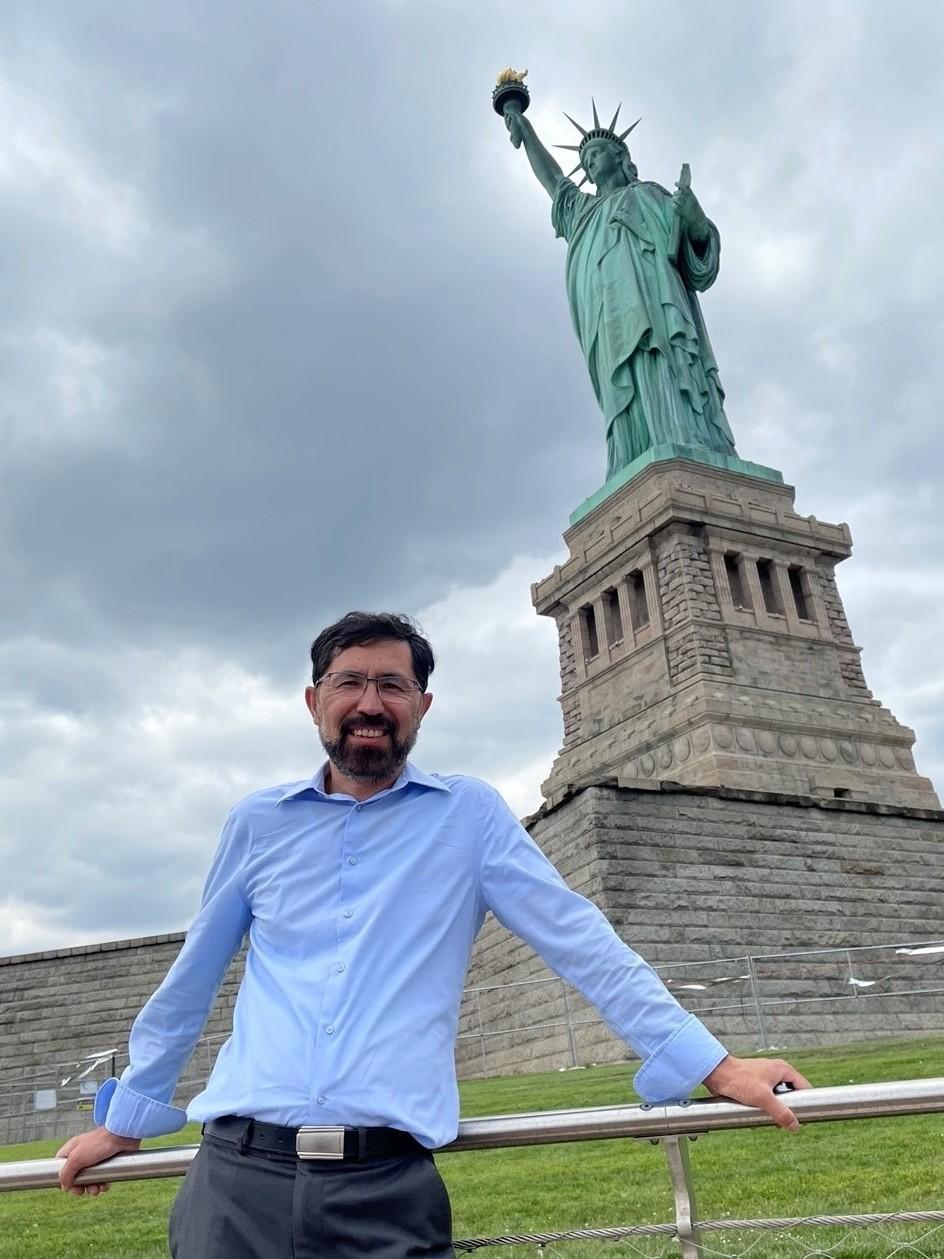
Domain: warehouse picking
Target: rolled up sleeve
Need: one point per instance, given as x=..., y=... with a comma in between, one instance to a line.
x=129, y=1114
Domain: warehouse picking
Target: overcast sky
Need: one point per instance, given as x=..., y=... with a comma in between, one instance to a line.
x=284, y=333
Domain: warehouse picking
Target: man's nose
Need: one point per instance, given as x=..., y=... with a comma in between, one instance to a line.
x=370, y=701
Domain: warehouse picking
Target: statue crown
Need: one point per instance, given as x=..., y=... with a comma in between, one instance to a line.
x=596, y=132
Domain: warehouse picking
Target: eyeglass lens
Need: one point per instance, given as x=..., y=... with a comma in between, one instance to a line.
x=390, y=685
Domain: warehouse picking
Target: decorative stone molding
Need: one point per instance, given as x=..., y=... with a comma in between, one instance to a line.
x=709, y=691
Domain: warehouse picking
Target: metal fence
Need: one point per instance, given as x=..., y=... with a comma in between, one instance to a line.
x=754, y=1001
x=673, y=1127
x=56, y=1099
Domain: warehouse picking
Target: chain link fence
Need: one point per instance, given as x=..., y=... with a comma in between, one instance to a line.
x=919, y=1234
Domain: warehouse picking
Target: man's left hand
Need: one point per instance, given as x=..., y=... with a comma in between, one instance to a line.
x=752, y=1082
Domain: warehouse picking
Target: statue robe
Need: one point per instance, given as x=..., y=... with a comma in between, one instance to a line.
x=632, y=274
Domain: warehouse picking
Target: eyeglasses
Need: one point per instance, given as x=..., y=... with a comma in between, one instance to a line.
x=352, y=685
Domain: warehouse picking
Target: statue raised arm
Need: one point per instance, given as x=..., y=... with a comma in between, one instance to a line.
x=637, y=256
x=543, y=164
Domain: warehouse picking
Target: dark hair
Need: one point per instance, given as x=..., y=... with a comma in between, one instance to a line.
x=357, y=629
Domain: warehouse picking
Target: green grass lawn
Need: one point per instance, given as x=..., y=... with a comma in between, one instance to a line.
x=850, y=1167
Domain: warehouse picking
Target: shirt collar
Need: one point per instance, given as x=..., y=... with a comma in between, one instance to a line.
x=315, y=785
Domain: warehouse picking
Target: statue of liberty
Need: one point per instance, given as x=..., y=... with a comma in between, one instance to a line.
x=637, y=256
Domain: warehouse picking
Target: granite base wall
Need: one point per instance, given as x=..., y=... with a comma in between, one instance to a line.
x=690, y=875
x=59, y=1006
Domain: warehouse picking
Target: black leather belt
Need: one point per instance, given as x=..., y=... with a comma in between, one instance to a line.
x=353, y=1145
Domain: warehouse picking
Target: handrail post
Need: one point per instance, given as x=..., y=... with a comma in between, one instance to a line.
x=683, y=1189
x=570, y=1027
x=476, y=1006
x=761, y=1026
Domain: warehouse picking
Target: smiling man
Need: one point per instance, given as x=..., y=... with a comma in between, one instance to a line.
x=368, y=707
x=362, y=890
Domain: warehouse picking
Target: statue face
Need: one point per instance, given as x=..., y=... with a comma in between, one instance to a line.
x=602, y=160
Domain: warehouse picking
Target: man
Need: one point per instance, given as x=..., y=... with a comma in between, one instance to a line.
x=362, y=891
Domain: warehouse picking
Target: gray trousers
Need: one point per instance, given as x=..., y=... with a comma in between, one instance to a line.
x=269, y=1206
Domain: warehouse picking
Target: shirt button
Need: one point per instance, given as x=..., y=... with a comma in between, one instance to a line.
x=321, y=1100
x=330, y=1029
x=339, y=967
x=349, y=913
x=352, y=861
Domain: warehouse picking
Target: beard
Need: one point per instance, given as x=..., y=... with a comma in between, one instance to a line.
x=364, y=763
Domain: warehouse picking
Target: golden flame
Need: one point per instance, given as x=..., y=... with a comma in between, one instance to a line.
x=512, y=76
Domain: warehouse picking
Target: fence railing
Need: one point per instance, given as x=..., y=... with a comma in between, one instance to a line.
x=671, y=1126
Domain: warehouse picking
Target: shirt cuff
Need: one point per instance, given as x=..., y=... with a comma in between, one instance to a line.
x=679, y=1064
x=129, y=1114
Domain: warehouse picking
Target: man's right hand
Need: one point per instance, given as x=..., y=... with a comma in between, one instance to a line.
x=86, y=1150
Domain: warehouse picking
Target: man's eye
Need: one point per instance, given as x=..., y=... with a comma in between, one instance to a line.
x=395, y=686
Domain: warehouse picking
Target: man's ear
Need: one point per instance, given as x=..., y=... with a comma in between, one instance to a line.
x=424, y=707
x=311, y=703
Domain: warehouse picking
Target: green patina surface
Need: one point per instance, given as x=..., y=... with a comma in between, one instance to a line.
x=637, y=258
x=673, y=450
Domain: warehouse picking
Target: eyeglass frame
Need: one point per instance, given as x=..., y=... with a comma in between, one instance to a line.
x=377, y=680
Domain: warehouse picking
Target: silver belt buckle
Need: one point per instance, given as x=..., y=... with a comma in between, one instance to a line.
x=318, y=1141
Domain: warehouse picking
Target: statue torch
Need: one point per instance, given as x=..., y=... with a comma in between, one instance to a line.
x=510, y=94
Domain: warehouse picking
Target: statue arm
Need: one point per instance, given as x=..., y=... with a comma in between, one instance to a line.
x=548, y=173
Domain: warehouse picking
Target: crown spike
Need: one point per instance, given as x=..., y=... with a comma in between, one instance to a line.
x=596, y=116
x=612, y=126
x=574, y=148
x=583, y=181
x=629, y=129
x=571, y=173
x=576, y=124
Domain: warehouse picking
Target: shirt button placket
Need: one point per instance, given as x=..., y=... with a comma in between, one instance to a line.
x=351, y=860
x=340, y=967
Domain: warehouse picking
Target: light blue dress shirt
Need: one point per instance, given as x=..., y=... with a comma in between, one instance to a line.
x=361, y=918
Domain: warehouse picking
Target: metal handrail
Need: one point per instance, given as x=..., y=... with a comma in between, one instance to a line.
x=817, y=1105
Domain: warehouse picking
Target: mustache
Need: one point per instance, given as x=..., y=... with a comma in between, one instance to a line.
x=383, y=724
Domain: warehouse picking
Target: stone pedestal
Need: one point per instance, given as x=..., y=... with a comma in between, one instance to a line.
x=779, y=920
x=703, y=641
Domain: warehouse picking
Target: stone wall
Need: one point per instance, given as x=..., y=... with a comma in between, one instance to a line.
x=60, y=1006
x=712, y=875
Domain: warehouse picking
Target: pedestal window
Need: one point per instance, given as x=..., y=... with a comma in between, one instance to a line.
x=638, y=603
